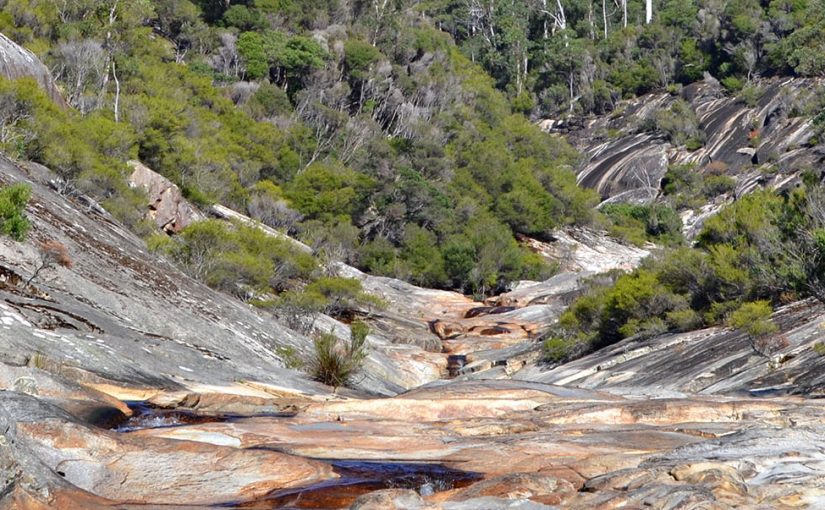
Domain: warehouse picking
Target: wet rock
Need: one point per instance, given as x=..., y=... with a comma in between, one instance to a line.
x=492, y=503
x=153, y=471
x=480, y=311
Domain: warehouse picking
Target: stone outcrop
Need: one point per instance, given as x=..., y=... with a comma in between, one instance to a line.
x=43, y=439
x=18, y=62
x=713, y=361
x=580, y=249
x=547, y=445
x=764, y=144
x=697, y=420
x=168, y=209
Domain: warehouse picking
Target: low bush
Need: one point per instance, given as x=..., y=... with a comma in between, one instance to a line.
x=638, y=224
x=13, y=221
x=237, y=259
x=334, y=362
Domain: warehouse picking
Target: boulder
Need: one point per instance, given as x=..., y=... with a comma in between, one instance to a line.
x=391, y=499
x=168, y=209
x=537, y=487
x=18, y=62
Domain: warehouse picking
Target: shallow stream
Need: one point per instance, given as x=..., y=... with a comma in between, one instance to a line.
x=356, y=477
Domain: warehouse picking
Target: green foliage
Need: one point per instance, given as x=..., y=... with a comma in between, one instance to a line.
x=754, y=318
x=686, y=187
x=334, y=362
x=237, y=259
x=359, y=56
x=642, y=223
x=733, y=84
x=341, y=294
x=679, y=123
x=758, y=252
x=374, y=126
x=324, y=191
x=397, y=137
x=557, y=349
x=13, y=221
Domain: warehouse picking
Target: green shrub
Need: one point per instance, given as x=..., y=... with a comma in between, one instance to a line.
x=732, y=84
x=558, y=349
x=694, y=143
x=684, y=320
x=339, y=295
x=751, y=94
x=359, y=56
x=753, y=318
x=13, y=221
x=679, y=123
x=237, y=259
x=715, y=185
x=333, y=362
x=640, y=223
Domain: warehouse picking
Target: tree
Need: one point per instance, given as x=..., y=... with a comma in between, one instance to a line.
x=755, y=319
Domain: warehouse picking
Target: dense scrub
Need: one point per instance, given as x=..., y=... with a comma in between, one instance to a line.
x=361, y=129
x=396, y=136
x=583, y=56
x=762, y=250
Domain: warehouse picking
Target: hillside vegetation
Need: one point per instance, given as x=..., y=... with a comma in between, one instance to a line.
x=396, y=135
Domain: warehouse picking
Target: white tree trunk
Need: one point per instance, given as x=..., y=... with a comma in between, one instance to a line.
x=624, y=13
x=604, y=17
x=117, y=92
x=648, y=11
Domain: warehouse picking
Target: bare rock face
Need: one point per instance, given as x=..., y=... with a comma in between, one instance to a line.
x=739, y=139
x=581, y=249
x=528, y=445
x=391, y=499
x=168, y=209
x=710, y=361
x=149, y=471
x=18, y=62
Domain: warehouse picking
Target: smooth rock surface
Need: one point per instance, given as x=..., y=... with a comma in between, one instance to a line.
x=18, y=62
x=635, y=161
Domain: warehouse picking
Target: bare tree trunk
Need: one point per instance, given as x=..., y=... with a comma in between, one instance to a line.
x=624, y=13
x=590, y=21
x=117, y=92
x=648, y=11
x=604, y=17
x=109, y=51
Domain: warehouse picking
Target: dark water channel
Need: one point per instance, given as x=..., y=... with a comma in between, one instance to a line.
x=361, y=477
x=356, y=477
x=147, y=416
